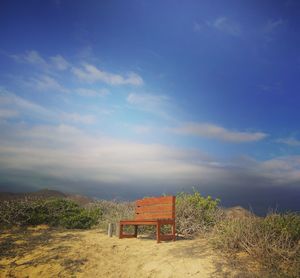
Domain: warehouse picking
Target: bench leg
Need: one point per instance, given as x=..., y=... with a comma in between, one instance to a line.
x=158, y=232
x=121, y=231
x=174, y=231
x=135, y=230
x=122, y=235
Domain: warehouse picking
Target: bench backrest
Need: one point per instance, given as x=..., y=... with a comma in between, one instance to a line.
x=155, y=208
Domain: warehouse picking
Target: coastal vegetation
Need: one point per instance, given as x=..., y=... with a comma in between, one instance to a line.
x=273, y=241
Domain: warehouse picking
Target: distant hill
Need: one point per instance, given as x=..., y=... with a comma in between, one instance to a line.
x=41, y=194
x=44, y=194
x=80, y=199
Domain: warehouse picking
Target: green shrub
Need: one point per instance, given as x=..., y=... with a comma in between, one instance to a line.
x=195, y=213
x=53, y=212
x=283, y=224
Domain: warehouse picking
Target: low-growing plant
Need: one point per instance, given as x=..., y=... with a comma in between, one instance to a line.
x=53, y=212
x=273, y=241
x=113, y=211
x=196, y=213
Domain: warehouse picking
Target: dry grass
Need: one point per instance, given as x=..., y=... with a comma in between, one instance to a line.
x=272, y=241
x=113, y=212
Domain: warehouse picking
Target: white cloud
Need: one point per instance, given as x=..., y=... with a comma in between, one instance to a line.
x=8, y=113
x=226, y=25
x=13, y=106
x=156, y=104
x=282, y=169
x=92, y=92
x=46, y=83
x=291, y=141
x=146, y=99
x=59, y=62
x=13, y=102
x=78, y=118
x=218, y=132
x=142, y=129
x=90, y=73
x=33, y=57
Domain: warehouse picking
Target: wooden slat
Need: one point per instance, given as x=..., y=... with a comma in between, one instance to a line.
x=156, y=200
x=145, y=221
x=167, y=221
x=155, y=213
x=154, y=216
x=154, y=208
x=139, y=222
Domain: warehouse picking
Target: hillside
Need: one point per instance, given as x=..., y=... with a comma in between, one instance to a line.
x=45, y=194
x=41, y=194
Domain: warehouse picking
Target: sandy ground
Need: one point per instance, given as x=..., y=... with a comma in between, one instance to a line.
x=41, y=252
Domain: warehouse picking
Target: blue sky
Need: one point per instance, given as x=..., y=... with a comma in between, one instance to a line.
x=129, y=94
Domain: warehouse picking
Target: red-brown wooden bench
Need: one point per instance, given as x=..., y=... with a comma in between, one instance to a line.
x=153, y=211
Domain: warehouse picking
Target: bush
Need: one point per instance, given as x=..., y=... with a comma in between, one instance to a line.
x=195, y=213
x=273, y=241
x=53, y=212
x=113, y=212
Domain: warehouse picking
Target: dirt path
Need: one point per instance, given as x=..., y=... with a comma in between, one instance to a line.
x=52, y=253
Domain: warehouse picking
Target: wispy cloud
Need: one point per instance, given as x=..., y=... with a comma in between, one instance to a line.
x=78, y=118
x=157, y=104
x=219, y=132
x=291, y=141
x=142, y=129
x=282, y=169
x=10, y=101
x=90, y=73
x=92, y=92
x=59, y=62
x=270, y=29
x=227, y=25
x=198, y=27
x=13, y=106
x=46, y=83
x=222, y=24
x=33, y=57
x=272, y=25
x=8, y=113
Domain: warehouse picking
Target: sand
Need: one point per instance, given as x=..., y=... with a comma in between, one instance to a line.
x=42, y=252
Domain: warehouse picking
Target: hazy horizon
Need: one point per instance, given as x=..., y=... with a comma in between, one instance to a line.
x=126, y=98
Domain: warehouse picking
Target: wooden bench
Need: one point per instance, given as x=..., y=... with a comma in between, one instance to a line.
x=152, y=211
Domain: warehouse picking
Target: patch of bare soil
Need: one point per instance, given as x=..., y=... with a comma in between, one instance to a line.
x=44, y=252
